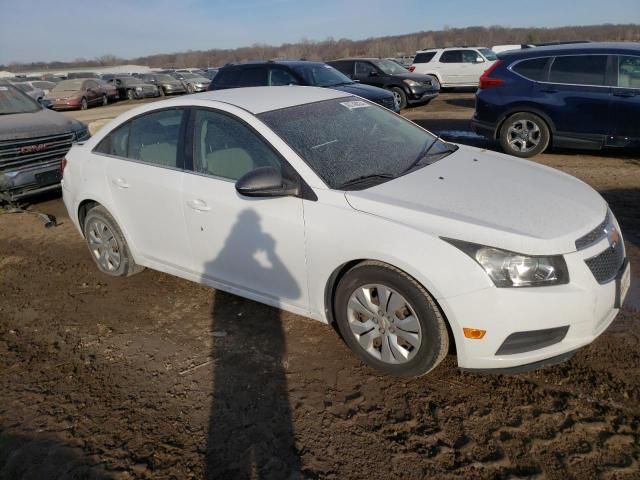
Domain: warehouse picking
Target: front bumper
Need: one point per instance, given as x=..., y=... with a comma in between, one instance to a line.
x=422, y=94
x=583, y=307
x=170, y=89
x=32, y=180
x=66, y=105
x=200, y=88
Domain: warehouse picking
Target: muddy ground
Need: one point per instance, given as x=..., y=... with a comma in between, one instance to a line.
x=156, y=377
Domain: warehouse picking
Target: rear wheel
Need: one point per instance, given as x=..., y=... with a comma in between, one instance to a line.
x=390, y=320
x=524, y=135
x=107, y=245
x=400, y=97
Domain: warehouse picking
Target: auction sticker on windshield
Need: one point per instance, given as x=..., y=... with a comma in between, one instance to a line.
x=353, y=104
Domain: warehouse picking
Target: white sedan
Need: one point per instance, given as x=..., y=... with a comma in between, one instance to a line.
x=328, y=206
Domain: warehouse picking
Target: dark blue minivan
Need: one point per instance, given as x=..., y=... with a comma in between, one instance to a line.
x=575, y=96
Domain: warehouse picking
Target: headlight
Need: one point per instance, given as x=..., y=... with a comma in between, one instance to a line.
x=510, y=269
x=83, y=134
x=411, y=83
x=138, y=89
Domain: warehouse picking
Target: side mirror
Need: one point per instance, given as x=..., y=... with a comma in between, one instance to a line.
x=479, y=60
x=266, y=182
x=373, y=73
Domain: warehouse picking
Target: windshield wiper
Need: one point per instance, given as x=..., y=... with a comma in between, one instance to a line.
x=362, y=178
x=425, y=153
x=339, y=84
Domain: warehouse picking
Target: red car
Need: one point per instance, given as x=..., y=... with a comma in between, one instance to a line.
x=78, y=94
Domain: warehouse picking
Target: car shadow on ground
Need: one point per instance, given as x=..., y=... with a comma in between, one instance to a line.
x=461, y=102
x=250, y=428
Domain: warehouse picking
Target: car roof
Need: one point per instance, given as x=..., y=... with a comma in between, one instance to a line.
x=264, y=99
x=465, y=47
x=288, y=63
x=573, y=48
x=369, y=59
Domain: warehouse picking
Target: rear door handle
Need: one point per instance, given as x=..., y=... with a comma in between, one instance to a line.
x=198, y=205
x=120, y=182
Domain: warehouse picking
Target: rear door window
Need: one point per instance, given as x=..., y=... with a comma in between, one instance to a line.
x=533, y=69
x=628, y=71
x=154, y=138
x=579, y=70
x=253, y=77
x=424, y=57
x=345, y=67
x=451, y=56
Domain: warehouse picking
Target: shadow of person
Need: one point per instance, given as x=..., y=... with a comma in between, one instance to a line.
x=250, y=428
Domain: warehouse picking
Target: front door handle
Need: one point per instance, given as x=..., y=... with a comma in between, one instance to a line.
x=549, y=90
x=198, y=205
x=120, y=182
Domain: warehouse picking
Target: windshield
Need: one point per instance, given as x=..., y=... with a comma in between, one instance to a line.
x=348, y=139
x=25, y=87
x=68, y=86
x=188, y=75
x=164, y=78
x=389, y=67
x=488, y=54
x=14, y=101
x=321, y=75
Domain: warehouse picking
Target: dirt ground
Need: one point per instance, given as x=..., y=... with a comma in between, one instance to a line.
x=156, y=377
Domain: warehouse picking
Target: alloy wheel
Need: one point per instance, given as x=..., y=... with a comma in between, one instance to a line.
x=103, y=245
x=523, y=135
x=384, y=323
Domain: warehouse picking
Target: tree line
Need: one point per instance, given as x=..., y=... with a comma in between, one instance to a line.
x=330, y=48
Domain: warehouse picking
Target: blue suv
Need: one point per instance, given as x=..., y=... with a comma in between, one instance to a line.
x=575, y=96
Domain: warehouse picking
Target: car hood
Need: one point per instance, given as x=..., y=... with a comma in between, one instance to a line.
x=41, y=123
x=491, y=199
x=362, y=90
x=416, y=77
x=67, y=94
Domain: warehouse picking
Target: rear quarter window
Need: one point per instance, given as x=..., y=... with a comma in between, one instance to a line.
x=534, y=69
x=425, y=57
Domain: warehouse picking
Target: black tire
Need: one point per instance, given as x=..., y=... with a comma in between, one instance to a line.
x=126, y=265
x=83, y=104
x=131, y=94
x=534, y=139
x=435, y=339
x=400, y=97
x=105, y=100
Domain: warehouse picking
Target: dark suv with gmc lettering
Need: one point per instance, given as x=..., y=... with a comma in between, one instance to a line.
x=33, y=142
x=573, y=96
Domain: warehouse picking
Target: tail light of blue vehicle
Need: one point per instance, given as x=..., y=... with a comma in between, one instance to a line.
x=489, y=79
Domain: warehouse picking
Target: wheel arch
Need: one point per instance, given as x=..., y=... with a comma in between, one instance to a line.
x=83, y=210
x=341, y=270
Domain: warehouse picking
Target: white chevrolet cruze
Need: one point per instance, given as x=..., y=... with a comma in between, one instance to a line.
x=328, y=206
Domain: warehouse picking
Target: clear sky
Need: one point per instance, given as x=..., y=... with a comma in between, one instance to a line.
x=33, y=30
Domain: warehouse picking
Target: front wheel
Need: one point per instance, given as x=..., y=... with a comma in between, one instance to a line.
x=390, y=321
x=107, y=244
x=524, y=135
x=131, y=95
x=189, y=88
x=83, y=104
x=105, y=100
x=400, y=97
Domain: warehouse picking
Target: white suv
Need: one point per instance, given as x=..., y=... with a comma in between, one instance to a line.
x=454, y=67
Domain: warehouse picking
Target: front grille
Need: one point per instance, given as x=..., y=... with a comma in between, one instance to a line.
x=389, y=103
x=594, y=235
x=606, y=265
x=17, y=154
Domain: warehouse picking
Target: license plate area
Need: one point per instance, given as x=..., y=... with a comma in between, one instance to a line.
x=48, y=178
x=623, y=282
